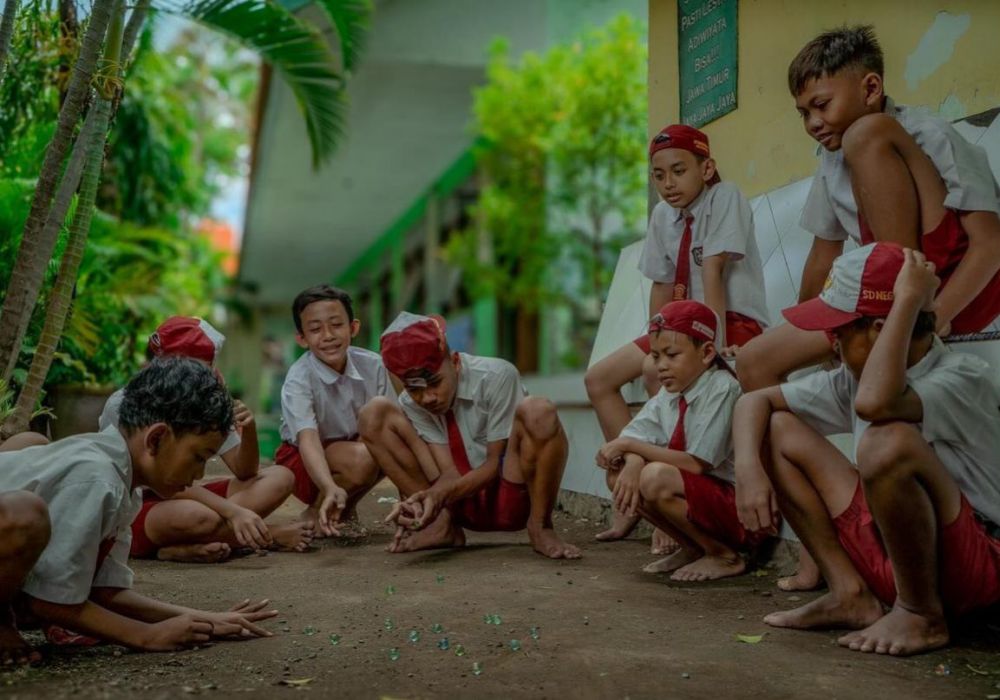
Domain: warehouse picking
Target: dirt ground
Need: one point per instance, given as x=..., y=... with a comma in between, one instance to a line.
x=604, y=630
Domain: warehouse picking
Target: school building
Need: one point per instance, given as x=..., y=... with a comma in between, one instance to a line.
x=374, y=219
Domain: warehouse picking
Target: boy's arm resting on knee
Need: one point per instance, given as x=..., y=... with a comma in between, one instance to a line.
x=712, y=271
x=659, y=294
x=818, y=263
x=477, y=479
x=658, y=453
x=755, y=502
x=249, y=528
x=979, y=265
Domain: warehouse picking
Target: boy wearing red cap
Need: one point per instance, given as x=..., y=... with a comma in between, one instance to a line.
x=204, y=523
x=701, y=246
x=673, y=462
x=465, y=447
x=320, y=399
x=904, y=526
x=886, y=173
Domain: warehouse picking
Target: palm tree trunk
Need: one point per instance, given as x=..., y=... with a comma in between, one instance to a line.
x=6, y=32
x=34, y=252
x=91, y=142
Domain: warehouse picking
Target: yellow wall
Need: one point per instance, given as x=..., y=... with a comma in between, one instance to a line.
x=762, y=144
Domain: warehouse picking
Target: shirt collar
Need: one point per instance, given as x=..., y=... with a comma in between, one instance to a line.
x=328, y=375
x=694, y=209
x=467, y=383
x=117, y=449
x=699, y=387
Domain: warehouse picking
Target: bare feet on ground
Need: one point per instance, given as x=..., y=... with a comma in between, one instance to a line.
x=682, y=557
x=806, y=577
x=14, y=651
x=546, y=542
x=899, y=633
x=209, y=553
x=827, y=611
x=293, y=537
x=621, y=527
x=710, y=567
x=439, y=534
x=662, y=543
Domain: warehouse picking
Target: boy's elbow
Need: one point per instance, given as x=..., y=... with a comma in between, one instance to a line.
x=873, y=408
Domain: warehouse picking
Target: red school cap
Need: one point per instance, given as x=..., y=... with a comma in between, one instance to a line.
x=860, y=284
x=414, y=343
x=687, y=138
x=186, y=336
x=693, y=319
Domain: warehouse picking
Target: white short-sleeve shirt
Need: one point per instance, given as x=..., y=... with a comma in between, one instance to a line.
x=707, y=422
x=723, y=223
x=86, y=482
x=316, y=396
x=112, y=408
x=960, y=395
x=831, y=213
x=486, y=398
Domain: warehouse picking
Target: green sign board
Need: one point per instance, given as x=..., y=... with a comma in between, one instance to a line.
x=707, y=33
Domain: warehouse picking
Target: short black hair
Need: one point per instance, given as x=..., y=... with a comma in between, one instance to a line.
x=924, y=326
x=832, y=52
x=186, y=394
x=321, y=292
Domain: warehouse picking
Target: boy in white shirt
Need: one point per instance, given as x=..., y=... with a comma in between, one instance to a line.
x=900, y=528
x=66, y=509
x=465, y=447
x=206, y=522
x=320, y=399
x=673, y=462
x=701, y=246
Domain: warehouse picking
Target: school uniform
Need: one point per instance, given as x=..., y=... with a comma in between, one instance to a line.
x=86, y=483
x=718, y=221
x=960, y=396
x=142, y=546
x=317, y=397
x=699, y=422
x=831, y=213
x=486, y=399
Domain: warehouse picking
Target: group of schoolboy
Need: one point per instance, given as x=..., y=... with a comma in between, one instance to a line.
x=716, y=460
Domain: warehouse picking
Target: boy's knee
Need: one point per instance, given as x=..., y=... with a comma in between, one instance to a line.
x=751, y=365
x=658, y=481
x=373, y=415
x=595, y=383
x=539, y=416
x=24, y=522
x=868, y=131
x=883, y=448
x=280, y=477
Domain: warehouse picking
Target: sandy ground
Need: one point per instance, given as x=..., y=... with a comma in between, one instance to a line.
x=605, y=630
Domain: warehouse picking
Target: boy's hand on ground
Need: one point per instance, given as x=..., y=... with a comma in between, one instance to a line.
x=426, y=506
x=239, y=623
x=242, y=415
x=756, y=504
x=333, y=503
x=917, y=281
x=626, y=492
x=176, y=633
x=249, y=528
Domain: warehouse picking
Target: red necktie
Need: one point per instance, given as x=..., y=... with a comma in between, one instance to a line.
x=456, y=444
x=682, y=280
x=678, y=441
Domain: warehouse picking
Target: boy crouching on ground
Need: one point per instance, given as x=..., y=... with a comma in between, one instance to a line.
x=464, y=446
x=673, y=462
x=901, y=529
x=205, y=523
x=66, y=510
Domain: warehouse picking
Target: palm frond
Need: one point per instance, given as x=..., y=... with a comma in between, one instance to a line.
x=295, y=49
x=352, y=20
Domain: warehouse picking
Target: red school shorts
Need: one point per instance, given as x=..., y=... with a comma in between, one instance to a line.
x=288, y=456
x=711, y=507
x=969, y=563
x=740, y=330
x=946, y=246
x=142, y=546
x=502, y=506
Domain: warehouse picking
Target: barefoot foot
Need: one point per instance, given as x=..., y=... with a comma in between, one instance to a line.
x=293, y=537
x=899, y=633
x=662, y=543
x=806, y=577
x=830, y=611
x=440, y=534
x=711, y=567
x=682, y=557
x=621, y=527
x=14, y=651
x=546, y=542
x=209, y=553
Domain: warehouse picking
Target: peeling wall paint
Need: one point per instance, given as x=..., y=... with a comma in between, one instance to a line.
x=936, y=47
x=952, y=108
